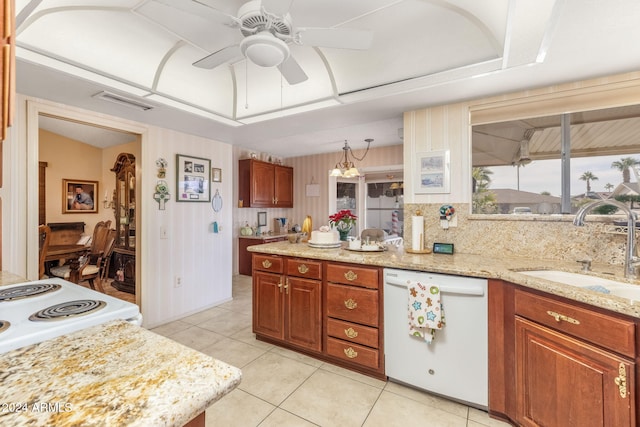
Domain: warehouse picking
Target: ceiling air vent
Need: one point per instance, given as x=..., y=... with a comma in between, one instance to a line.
x=121, y=100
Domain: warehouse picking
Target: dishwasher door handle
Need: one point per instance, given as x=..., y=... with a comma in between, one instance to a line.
x=461, y=289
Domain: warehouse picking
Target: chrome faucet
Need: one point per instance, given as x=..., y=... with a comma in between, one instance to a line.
x=631, y=261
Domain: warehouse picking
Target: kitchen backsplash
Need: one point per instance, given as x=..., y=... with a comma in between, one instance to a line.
x=552, y=238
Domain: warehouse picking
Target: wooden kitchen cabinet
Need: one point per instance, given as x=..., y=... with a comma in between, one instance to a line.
x=265, y=185
x=557, y=362
x=287, y=301
x=353, y=317
x=244, y=256
x=7, y=66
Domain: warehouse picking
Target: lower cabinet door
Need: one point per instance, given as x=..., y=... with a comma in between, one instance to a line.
x=268, y=310
x=303, y=313
x=562, y=381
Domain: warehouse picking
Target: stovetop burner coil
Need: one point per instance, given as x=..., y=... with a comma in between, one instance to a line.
x=68, y=309
x=26, y=291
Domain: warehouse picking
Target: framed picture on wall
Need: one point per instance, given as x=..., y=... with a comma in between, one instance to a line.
x=79, y=196
x=192, y=179
x=216, y=175
x=432, y=172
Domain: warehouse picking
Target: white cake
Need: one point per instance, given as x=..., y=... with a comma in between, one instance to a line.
x=324, y=236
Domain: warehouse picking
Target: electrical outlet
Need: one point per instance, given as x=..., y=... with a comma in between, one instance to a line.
x=178, y=282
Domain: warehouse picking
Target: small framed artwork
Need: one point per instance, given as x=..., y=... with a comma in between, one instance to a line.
x=262, y=219
x=192, y=179
x=79, y=196
x=216, y=175
x=432, y=172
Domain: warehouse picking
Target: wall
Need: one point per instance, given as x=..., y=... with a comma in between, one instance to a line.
x=199, y=257
x=70, y=159
x=448, y=127
x=306, y=170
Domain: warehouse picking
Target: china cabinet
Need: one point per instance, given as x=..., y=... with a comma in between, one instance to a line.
x=124, y=252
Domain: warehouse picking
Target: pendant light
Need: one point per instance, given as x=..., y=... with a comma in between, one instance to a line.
x=346, y=168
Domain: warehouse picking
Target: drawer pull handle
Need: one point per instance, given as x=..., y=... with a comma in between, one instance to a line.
x=350, y=353
x=302, y=269
x=350, y=276
x=286, y=287
x=621, y=380
x=350, y=304
x=559, y=317
x=266, y=263
x=280, y=286
x=351, y=333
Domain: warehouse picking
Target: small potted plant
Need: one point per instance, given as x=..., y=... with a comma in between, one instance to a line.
x=343, y=221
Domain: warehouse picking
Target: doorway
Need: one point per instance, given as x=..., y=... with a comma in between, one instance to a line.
x=73, y=129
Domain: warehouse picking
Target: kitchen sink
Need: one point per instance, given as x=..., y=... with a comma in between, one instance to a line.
x=598, y=284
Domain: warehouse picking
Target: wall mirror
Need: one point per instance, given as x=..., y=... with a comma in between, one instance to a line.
x=552, y=165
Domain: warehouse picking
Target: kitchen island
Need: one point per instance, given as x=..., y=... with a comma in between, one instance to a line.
x=113, y=374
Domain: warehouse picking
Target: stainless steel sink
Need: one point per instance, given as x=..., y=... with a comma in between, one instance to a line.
x=598, y=284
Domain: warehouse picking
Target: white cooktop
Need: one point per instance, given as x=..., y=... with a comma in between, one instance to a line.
x=23, y=331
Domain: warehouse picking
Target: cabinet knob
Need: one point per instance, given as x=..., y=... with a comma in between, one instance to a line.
x=350, y=353
x=561, y=317
x=351, y=333
x=350, y=276
x=621, y=380
x=266, y=263
x=350, y=304
x=303, y=269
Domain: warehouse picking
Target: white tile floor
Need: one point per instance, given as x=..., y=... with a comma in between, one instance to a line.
x=283, y=388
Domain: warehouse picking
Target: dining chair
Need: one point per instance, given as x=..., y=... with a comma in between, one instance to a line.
x=44, y=233
x=395, y=241
x=92, y=264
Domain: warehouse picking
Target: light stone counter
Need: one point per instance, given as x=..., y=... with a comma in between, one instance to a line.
x=116, y=374
x=485, y=266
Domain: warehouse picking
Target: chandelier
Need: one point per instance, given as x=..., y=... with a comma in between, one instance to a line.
x=346, y=168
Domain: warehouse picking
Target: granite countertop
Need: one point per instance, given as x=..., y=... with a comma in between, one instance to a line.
x=484, y=266
x=264, y=236
x=114, y=374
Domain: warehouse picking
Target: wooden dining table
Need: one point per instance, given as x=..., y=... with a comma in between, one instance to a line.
x=62, y=252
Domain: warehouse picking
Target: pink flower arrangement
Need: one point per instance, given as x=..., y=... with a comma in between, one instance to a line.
x=343, y=220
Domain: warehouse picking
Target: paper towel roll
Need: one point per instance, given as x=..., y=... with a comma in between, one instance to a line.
x=417, y=233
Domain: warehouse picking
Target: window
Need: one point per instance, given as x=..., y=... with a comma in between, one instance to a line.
x=517, y=165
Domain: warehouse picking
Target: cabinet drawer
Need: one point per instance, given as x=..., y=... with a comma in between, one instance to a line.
x=352, y=304
x=268, y=263
x=352, y=332
x=607, y=331
x=304, y=268
x=353, y=353
x=350, y=275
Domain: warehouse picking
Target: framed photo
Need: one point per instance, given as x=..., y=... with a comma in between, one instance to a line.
x=216, y=175
x=192, y=179
x=262, y=219
x=79, y=196
x=432, y=173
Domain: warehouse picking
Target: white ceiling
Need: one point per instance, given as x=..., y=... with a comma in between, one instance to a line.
x=424, y=52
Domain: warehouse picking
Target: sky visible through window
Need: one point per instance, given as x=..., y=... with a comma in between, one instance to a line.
x=544, y=175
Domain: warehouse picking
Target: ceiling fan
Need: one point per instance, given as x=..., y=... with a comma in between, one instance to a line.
x=267, y=30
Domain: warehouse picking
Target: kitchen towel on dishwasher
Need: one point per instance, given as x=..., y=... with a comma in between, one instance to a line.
x=426, y=314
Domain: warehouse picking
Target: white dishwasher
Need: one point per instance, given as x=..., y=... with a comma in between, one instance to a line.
x=455, y=363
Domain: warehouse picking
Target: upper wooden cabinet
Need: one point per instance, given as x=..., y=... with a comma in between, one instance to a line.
x=7, y=65
x=265, y=185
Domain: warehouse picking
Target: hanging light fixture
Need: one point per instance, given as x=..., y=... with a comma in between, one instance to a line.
x=346, y=168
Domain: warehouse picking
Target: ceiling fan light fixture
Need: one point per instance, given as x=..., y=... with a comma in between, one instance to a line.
x=264, y=49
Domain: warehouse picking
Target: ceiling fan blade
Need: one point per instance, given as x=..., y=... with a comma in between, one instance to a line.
x=341, y=38
x=292, y=72
x=220, y=57
x=277, y=7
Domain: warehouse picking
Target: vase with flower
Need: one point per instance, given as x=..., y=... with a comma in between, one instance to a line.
x=343, y=221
